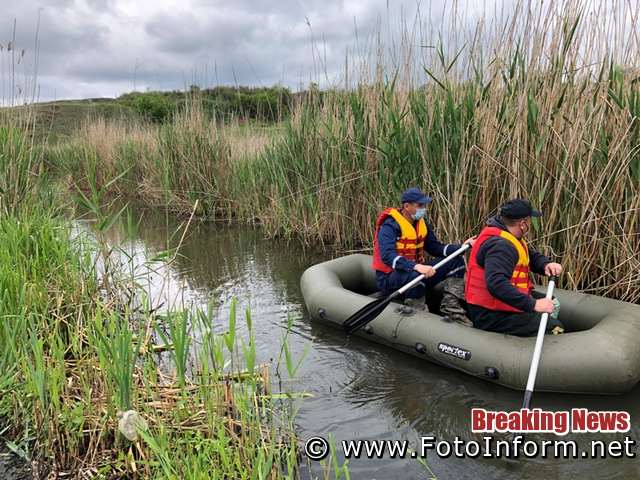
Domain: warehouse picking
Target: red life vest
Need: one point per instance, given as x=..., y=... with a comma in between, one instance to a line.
x=409, y=245
x=476, y=291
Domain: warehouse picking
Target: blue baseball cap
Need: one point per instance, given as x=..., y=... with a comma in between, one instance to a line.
x=415, y=195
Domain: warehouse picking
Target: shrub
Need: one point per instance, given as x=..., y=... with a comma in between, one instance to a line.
x=153, y=106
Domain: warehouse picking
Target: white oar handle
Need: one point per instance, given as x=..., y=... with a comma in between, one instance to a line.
x=533, y=371
x=442, y=262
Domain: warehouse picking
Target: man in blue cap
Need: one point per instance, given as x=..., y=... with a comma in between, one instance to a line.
x=498, y=289
x=402, y=237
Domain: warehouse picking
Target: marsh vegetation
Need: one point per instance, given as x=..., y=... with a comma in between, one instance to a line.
x=544, y=104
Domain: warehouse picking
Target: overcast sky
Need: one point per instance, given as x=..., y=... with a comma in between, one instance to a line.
x=103, y=48
x=98, y=48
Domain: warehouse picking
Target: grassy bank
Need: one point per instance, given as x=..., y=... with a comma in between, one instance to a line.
x=544, y=105
x=76, y=364
x=81, y=389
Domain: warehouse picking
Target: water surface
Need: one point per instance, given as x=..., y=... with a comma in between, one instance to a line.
x=360, y=390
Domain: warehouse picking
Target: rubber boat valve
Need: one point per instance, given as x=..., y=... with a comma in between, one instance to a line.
x=420, y=348
x=492, y=372
x=323, y=313
x=368, y=329
x=405, y=310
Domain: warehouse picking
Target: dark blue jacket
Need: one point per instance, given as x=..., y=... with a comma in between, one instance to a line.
x=390, y=232
x=498, y=257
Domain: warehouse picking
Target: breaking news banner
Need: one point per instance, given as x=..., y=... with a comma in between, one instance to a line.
x=558, y=423
x=536, y=420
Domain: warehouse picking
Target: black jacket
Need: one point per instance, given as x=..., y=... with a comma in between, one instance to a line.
x=499, y=257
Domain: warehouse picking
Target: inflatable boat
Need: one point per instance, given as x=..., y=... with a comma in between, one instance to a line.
x=599, y=353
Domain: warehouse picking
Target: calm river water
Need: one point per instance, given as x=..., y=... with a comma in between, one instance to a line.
x=359, y=390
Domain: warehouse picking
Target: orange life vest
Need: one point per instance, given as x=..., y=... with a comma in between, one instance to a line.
x=476, y=291
x=409, y=245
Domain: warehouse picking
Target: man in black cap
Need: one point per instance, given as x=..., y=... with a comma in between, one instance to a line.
x=498, y=288
x=402, y=237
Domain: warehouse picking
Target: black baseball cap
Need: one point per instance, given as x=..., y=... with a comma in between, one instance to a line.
x=415, y=195
x=518, y=208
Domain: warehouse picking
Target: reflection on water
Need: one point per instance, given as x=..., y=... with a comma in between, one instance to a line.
x=360, y=390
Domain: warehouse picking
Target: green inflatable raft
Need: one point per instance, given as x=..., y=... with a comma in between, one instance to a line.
x=600, y=353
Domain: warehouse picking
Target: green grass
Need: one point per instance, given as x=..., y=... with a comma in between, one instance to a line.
x=20, y=163
x=72, y=359
x=58, y=121
x=77, y=358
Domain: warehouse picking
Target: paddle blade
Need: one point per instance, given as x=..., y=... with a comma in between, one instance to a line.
x=365, y=315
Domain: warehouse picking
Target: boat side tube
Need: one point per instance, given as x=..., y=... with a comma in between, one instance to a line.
x=600, y=354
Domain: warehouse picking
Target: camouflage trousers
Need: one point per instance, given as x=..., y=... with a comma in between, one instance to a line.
x=452, y=306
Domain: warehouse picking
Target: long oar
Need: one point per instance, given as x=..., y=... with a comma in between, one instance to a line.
x=373, y=309
x=537, y=351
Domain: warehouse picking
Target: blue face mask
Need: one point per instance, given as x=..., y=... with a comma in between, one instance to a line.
x=420, y=213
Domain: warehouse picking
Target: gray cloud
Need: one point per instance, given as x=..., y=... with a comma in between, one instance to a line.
x=92, y=48
x=106, y=47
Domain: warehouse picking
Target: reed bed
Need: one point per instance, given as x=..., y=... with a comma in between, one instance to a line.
x=21, y=163
x=96, y=383
x=76, y=363
x=171, y=165
x=541, y=102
